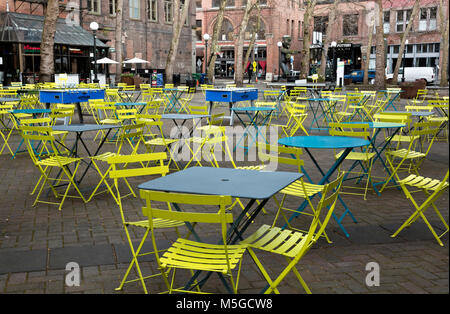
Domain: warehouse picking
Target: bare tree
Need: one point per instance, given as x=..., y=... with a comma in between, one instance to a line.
x=414, y=13
x=211, y=58
x=179, y=19
x=444, y=27
x=380, y=55
x=371, y=29
x=240, y=60
x=329, y=36
x=307, y=26
x=47, y=65
x=118, y=38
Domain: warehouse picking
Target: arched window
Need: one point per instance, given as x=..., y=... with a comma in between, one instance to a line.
x=227, y=31
x=252, y=25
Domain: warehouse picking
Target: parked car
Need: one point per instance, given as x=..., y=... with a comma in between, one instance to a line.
x=415, y=73
x=357, y=76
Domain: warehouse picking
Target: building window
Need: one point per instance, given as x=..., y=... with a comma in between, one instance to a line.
x=299, y=29
x=321, y=24
x=230, y=3
x=387, y=22
x=94, y=6
x=427, y=19
x=198, y=30
x=135, y=9
x=350, y=25
x=112, y=7
x=198, y=4
x=168, y=11
x=402, y=20
x=152, y=13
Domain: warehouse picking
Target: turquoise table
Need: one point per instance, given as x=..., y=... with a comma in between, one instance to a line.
x=173, y=95
x=391, y=96
x=79, y=129
x=320, y=143
x=239, y=183
x=258, y=117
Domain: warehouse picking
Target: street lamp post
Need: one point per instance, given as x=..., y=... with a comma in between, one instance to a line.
x=206, y=38
x=94, y=27
x=279, y=44
x=333, y=45
x=404, y=54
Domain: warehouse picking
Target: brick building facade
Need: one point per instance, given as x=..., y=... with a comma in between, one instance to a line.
x=285, y=17
x=147, y=30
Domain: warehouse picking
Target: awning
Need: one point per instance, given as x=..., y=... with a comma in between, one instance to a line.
x=26, y=28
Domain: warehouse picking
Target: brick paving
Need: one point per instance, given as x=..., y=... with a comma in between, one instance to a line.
x=36, y=243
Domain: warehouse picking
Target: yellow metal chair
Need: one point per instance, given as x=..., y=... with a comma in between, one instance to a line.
x=290, y=156
x=363, y=158
x=49, y=159
x=130, y=135
x=124, y=167
x=185, y=101
x=441, y=115
x=408, y=159
x=433, y=190
x=154, y=136
x=190, y=255
x=7, y=125
x=292, y=245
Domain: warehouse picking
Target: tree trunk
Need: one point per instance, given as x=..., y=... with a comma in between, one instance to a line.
x=405, y=35
x=214, y=48
x=328, y=38
x=369, y=47
x=47, y=65
x=305, y=52
x=444, y=26
x=240, y=60
x=178, y=22
x=380, y=82
x=118, y=38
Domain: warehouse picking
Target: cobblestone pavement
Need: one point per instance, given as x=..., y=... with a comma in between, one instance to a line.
x=36, y=243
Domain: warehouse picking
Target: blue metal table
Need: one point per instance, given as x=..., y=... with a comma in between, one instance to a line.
x=70, y=96
x=258, y=117
x=391, y=96
x=79, y=129
x=325, y=142
x=173, y=96
x=230, y=96
x=239, y=183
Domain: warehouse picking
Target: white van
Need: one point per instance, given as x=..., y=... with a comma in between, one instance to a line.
x=415, y=73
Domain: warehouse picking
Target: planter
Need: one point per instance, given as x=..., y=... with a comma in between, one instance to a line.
x=127, y=79
x=410, y=88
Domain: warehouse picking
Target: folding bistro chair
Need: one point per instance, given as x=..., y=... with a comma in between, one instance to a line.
x=130, y=166
x=364, y=158
x=433, y=190
x=292, y=245
x=197, y=255
x=408, y=159
x=290, y=156
x=49, y=159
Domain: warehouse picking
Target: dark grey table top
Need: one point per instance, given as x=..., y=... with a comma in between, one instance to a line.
x=241, y=183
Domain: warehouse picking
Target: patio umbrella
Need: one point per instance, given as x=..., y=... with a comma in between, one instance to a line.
x=135, y=61
x=106, y=60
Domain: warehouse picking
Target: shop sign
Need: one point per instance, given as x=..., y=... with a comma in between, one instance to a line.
x=31, y=49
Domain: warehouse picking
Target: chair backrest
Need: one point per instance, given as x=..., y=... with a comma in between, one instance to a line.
x=126, y=115
x=43, y=135
x=133, y=135
x=349, y=129
x=199, y=109
x=269, y=153
x=427, y=129
x=221, y=216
